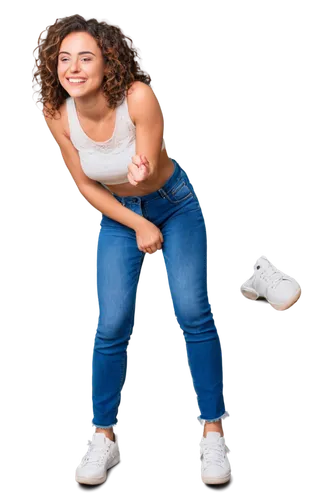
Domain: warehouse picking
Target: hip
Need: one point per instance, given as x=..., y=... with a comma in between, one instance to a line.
x=175, y=196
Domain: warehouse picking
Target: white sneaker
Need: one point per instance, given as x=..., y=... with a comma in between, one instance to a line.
x=101, y=456
x=215, y=466
x=279, y=289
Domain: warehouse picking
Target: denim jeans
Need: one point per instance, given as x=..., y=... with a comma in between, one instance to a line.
x=176, y=211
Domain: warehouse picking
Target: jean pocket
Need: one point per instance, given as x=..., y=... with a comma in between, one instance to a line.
x=180, y=191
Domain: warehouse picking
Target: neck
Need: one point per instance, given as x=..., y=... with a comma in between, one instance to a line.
x=93, y=107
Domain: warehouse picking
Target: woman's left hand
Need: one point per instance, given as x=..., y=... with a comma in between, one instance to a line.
x=138, y=170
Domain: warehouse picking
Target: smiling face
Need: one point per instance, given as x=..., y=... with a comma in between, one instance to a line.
x=80, y=58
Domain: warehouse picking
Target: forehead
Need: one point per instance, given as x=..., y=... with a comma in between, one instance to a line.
x=78, y=41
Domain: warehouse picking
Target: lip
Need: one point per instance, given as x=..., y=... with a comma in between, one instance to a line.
x=75, y=83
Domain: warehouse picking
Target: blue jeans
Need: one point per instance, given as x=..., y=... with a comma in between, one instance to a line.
x=176, y=211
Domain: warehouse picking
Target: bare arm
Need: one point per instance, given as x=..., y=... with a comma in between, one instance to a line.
x=94, y=192
x=149, y=126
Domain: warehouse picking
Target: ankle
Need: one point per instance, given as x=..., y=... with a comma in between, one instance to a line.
x=107, y=432
x=213, y=427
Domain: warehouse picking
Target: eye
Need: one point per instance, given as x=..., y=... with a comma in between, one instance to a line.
x=84, y=59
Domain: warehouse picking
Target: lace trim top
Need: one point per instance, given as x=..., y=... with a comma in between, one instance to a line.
x=107, y=161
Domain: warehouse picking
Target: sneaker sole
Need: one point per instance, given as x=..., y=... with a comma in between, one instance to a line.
x=250, y=293
x=282, y=307
x=216, y=480
x=84, y=487
x=219, y=486
x=97, y=480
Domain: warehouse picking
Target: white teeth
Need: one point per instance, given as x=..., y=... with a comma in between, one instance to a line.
x=75, y=81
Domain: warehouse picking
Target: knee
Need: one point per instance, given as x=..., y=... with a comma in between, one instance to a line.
x=114, y=330
x=194, y=319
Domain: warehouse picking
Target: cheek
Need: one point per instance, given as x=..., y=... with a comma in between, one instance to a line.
x=61, y=70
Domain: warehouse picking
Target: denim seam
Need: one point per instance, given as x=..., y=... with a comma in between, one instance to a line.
x=132, y=324
x=121, y=386
x=177, y=188
x=197, y=400
x=176, y=202
x=190, y=370
x=194, y=391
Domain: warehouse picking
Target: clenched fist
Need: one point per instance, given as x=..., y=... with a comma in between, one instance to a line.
x=149, y=238
x=139, y=170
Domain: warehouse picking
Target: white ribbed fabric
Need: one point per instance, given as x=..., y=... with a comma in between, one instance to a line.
x=106, y=162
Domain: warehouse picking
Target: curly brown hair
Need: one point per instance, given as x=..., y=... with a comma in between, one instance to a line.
x=121, y=68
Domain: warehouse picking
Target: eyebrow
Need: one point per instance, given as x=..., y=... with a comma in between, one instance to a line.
x=84, y=52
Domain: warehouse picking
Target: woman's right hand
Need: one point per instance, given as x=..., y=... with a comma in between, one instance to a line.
x=149, y=238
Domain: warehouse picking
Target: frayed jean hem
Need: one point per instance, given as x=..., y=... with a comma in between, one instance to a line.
x=224, y=416
x=103, y=426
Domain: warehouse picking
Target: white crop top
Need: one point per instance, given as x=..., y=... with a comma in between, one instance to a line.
x=107, y=161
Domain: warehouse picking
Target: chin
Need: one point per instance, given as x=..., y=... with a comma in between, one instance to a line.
x=72, y=87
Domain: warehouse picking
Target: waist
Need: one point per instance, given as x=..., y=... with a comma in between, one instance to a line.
x=166, y=185
x=165, y=170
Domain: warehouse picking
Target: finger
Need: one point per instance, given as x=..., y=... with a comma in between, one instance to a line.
x=138, y=173
x=152, y=251
x=136, y=159
x=149, y=252
x=144, y=169
x=155, y=249
x=142, y=174
x=133, y=169
x=144, y=159
x=158, y=246
x=131, y=179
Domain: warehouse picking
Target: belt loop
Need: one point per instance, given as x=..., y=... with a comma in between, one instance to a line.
x=161, y=191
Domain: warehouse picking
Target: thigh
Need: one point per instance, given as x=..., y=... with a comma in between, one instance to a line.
x=119, y=263
x=185, y=255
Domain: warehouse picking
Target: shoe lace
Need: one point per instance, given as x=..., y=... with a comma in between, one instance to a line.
x=94, y=455
x=279, y=275
x=214, y=453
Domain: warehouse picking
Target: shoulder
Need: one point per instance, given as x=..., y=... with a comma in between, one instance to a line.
x=58, y=124
x=141, y=100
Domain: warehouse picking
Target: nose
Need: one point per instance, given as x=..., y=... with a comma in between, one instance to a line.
x=75, y=66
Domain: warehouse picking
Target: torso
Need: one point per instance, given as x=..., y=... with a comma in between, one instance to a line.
x=102, y=133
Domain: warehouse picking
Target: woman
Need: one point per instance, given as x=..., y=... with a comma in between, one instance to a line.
x=102, y=112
